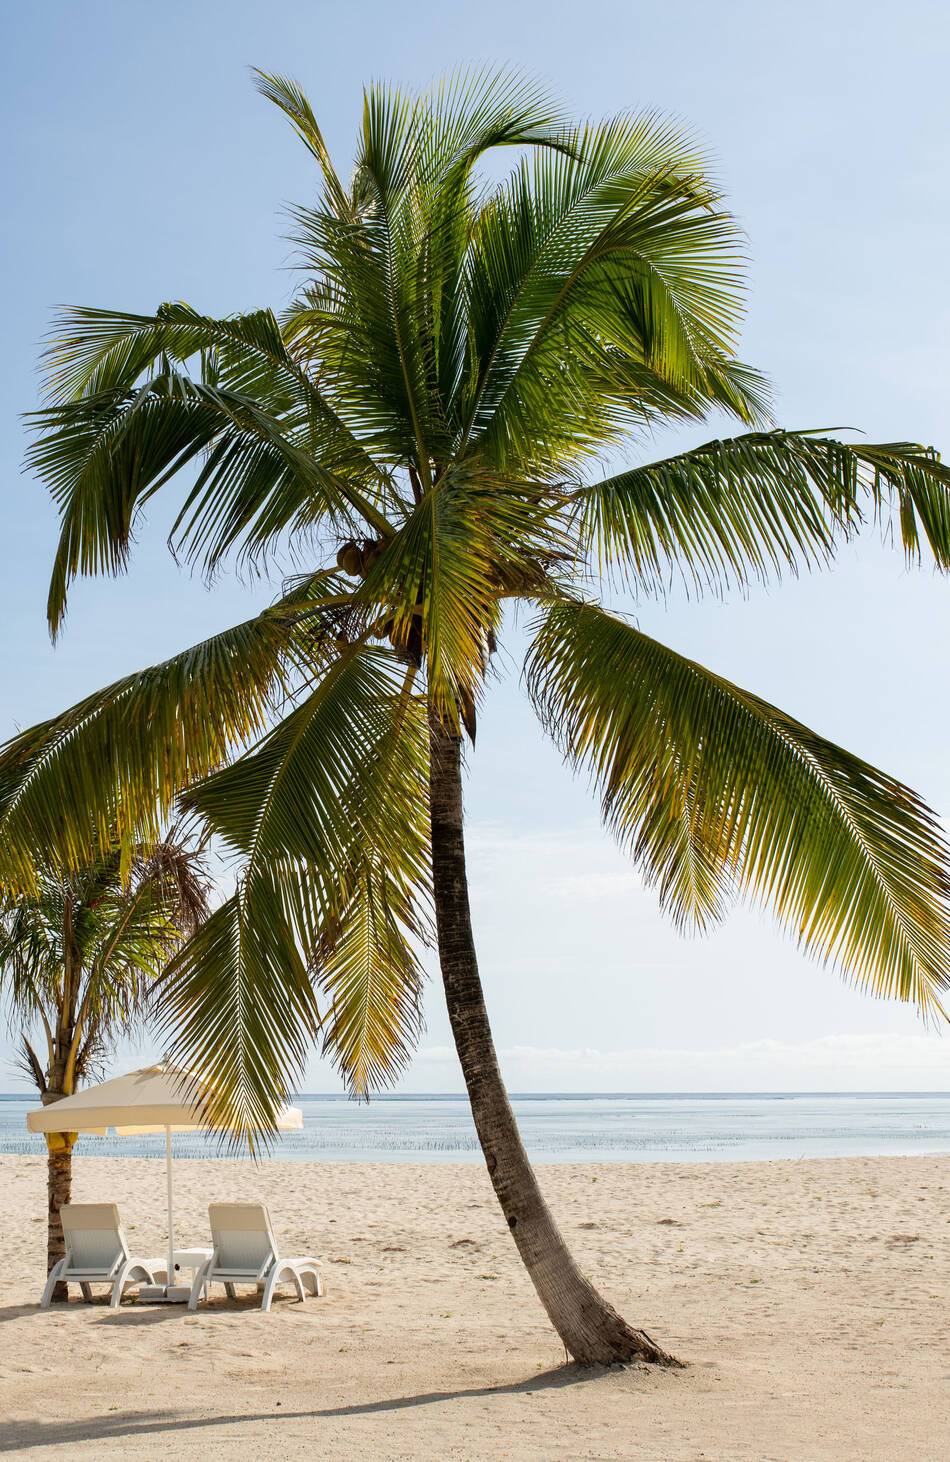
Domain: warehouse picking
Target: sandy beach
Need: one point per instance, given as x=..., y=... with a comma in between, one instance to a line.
x=809, y=1299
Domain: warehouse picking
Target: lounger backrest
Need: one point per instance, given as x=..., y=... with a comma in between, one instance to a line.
x=93, y=1234
x=242, y=1235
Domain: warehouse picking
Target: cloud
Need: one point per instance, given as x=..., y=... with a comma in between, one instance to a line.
x=877, y=1062
x=579, y=865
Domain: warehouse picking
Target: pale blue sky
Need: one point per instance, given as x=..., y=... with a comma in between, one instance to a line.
x=140, y=165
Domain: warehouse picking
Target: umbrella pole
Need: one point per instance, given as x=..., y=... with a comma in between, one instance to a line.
x=170, y=1272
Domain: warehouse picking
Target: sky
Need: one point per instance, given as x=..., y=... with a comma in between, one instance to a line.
x=140, y=165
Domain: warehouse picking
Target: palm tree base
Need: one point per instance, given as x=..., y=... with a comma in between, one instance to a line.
x=607, y=1340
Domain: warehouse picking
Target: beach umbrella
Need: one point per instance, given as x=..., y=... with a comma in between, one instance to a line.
x=155, y=1099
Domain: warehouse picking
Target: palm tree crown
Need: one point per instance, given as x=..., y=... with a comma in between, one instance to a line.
x=421, y=428
x=80, y=954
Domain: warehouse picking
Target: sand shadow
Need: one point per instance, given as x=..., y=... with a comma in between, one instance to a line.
x=98, y=1307
x=144, y=1314
x=16, y=1312
x=23, y=1436
x=135, y=1313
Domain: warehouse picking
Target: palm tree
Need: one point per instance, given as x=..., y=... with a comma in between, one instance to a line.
x=79, y=954
x=431, y=409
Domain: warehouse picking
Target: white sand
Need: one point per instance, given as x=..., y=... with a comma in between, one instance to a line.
x=811, y=1300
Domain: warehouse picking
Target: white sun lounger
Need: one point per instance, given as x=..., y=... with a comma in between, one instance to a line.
x=96, y=1253
x=245, y=1252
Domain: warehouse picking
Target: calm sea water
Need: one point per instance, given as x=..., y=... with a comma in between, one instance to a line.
x=560, y=1128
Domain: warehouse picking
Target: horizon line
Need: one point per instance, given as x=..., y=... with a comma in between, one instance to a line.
x=552, y=1092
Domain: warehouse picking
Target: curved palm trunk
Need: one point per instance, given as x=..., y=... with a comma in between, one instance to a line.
x=592, y=1331
x=59, y=1171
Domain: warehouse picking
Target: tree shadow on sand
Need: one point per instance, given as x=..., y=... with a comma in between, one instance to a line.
x=131, y=1312
x=17, y=1312
x=127, y=1315
x=22, y=1436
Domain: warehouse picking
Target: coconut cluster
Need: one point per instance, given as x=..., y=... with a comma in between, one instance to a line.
x=356, y=559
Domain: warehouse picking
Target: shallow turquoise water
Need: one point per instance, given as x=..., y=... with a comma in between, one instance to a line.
x=560, y=1128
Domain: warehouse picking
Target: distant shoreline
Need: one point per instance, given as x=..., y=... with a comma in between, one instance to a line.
x=590, y=1096
x=569, y=1127
x=281, y=1162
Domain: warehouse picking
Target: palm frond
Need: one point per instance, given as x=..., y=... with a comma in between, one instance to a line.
x=329, y=817
x=287, y=95
x=245, y=1014
x=749, y=507
x=118, y=759
x=125, y=416
x=368, y=967
x=372, y=980
x=601, y=281
x=710, y=786
x=292, y=795
x=385, y=313
x=94, y=351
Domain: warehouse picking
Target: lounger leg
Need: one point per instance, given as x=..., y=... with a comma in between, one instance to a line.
x=55, y=1273
x=268, y=1294
x=199, y=1288
x=115, y=1298
x=86, y=1292
x=309, y=1278
x=133, y=1273
x=314, y=1279
x=230, y=1291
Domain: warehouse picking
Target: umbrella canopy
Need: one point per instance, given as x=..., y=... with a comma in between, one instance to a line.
x=155, y=1099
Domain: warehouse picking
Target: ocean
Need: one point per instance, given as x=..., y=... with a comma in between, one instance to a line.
x=634, y=1127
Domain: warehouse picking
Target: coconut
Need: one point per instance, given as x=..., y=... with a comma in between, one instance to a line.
x=349, y=558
